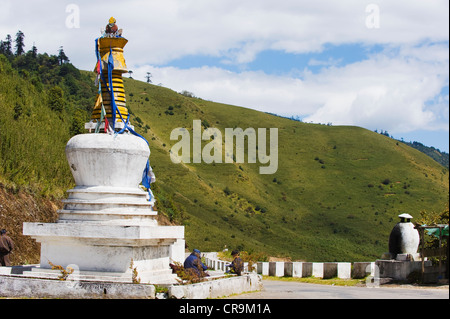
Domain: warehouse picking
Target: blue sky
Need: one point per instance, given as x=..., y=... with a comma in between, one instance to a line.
x=376, y=64
x=277, y=62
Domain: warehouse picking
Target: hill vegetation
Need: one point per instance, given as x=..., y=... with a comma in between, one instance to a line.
x=436, y=154
x=335, y=196
x=44, y=101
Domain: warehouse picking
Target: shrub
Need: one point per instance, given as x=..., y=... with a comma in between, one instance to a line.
x=17, y=111
x=64, y=272
x=205, y=124
x=186, y=276
x=187, y=93
x=227, y=191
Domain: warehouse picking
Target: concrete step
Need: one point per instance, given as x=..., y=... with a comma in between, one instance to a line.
x=107, y=202
x=158, y=276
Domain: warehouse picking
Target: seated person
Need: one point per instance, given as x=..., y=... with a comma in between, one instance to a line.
x=237, y=265
x=194, y=264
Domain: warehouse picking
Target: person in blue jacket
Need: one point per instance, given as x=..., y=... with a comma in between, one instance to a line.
x=194, y=262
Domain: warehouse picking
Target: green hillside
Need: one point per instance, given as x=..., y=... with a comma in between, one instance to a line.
x=39, y=112
x=439, y=156
x=335, y=196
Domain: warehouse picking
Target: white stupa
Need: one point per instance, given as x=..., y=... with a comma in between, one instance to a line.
x=108, y=222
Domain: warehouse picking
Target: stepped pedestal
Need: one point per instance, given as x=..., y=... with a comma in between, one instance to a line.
x=107, y=222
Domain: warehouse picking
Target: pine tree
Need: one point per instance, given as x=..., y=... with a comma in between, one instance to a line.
x=149, y=75
x=19, y=43
x=5, y=46
x=34, y=51
x=62, y=57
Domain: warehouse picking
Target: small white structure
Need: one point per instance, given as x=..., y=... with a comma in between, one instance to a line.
x=317, y=270
x=262, y=267
x=276, y=268
x=293, y=269
x=107, y=222
x=344, y=270
x=404, y=238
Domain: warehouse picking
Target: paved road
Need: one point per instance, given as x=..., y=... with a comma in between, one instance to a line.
x=295, y=290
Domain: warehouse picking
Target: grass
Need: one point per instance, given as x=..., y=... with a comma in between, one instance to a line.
x=303, y=205
x=321, y=281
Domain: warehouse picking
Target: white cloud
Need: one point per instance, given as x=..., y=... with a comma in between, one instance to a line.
x=386, y=91
x=391, y=90
x=160, y=31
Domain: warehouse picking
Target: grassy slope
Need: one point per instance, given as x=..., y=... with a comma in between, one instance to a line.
x=32, y=144
x=314, y=211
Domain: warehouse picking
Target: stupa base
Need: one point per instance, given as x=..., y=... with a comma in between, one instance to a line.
x=110, y=252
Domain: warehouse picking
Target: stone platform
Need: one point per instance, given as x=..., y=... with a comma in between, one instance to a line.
x=399, y=269
x=106, y=250
x=21, y=281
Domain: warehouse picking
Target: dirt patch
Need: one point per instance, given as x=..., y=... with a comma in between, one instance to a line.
x=17, y=207
x=279, y=259
x=164, y=220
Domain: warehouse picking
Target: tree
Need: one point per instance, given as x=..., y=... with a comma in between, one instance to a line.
x=19, y=43
x=56, y=99
x=149, y=75
x=187, y=93
x=130, y=72
x=433, y=218
x=5, y=46
x=78, y=120
x=34, y=51
x=62, y=57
